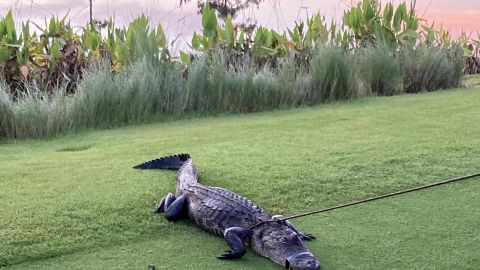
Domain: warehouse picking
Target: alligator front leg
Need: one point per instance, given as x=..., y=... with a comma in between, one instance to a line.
x=303, y=236
x=235, y=237
x=173, y=208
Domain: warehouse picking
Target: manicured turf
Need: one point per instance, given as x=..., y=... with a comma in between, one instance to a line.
x=75, y=203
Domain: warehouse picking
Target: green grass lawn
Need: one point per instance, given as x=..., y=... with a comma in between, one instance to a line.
x=75, y=203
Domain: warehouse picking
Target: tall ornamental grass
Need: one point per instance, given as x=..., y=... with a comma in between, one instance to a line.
x=36, y=115
x=6, y=113
x=378, y=70
x=213, y=86
x=431, y=68
x=332, y=77
x=105, y=99
x=164, y=89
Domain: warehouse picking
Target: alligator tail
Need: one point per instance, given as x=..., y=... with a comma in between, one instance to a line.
x=174, y=162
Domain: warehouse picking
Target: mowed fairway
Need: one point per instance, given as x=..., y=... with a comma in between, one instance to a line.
x=75, y=203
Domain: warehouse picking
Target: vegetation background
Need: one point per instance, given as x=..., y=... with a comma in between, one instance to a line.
x=61, y=80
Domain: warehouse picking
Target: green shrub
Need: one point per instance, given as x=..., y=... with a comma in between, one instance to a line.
x=6, y=113
x=196, y=85
x=331, y=76
x=214, y=84
x=428, y=68
x=39, y=115
x=456, y=59
x=103, y=99
x=143, y=90
x=379, y=69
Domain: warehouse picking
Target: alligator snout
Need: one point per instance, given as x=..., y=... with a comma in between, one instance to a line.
x=311, y=265
x=302, y=261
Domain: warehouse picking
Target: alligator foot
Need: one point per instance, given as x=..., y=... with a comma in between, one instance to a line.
x=235, y=238
x=302, y=235
x=178, y=209
x=164, y=203
x=173, y=208
x=306, y=236
x=230, y=255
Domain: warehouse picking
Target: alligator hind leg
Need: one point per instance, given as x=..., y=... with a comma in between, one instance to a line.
x=173, y=208
x=303, y=236
x=235, y=237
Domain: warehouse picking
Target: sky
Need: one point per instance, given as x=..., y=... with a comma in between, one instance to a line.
x=181, y=22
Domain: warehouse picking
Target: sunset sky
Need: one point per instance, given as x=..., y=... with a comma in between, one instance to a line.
x=182, y=21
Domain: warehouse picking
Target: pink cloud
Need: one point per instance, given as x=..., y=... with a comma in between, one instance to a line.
x=455, y=20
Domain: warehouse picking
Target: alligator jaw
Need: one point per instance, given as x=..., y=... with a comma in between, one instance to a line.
x=302, y=261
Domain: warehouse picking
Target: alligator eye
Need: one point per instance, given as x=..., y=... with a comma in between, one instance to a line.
x=283, y=240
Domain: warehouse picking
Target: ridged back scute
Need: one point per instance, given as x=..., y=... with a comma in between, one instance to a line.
x=217, y=209
x=236, y=199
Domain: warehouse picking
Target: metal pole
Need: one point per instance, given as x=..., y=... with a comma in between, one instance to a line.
x=444, y=182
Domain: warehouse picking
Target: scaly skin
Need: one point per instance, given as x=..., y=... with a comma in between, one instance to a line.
x=227, y=214
x=216, y=209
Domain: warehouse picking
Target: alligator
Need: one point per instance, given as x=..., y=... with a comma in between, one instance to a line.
x=236, y=218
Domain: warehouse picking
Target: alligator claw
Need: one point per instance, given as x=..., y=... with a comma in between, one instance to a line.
x=230, y=255
x=307, y=236
x=159, y=208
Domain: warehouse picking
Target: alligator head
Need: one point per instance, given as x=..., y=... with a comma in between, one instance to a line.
x=283, y=246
